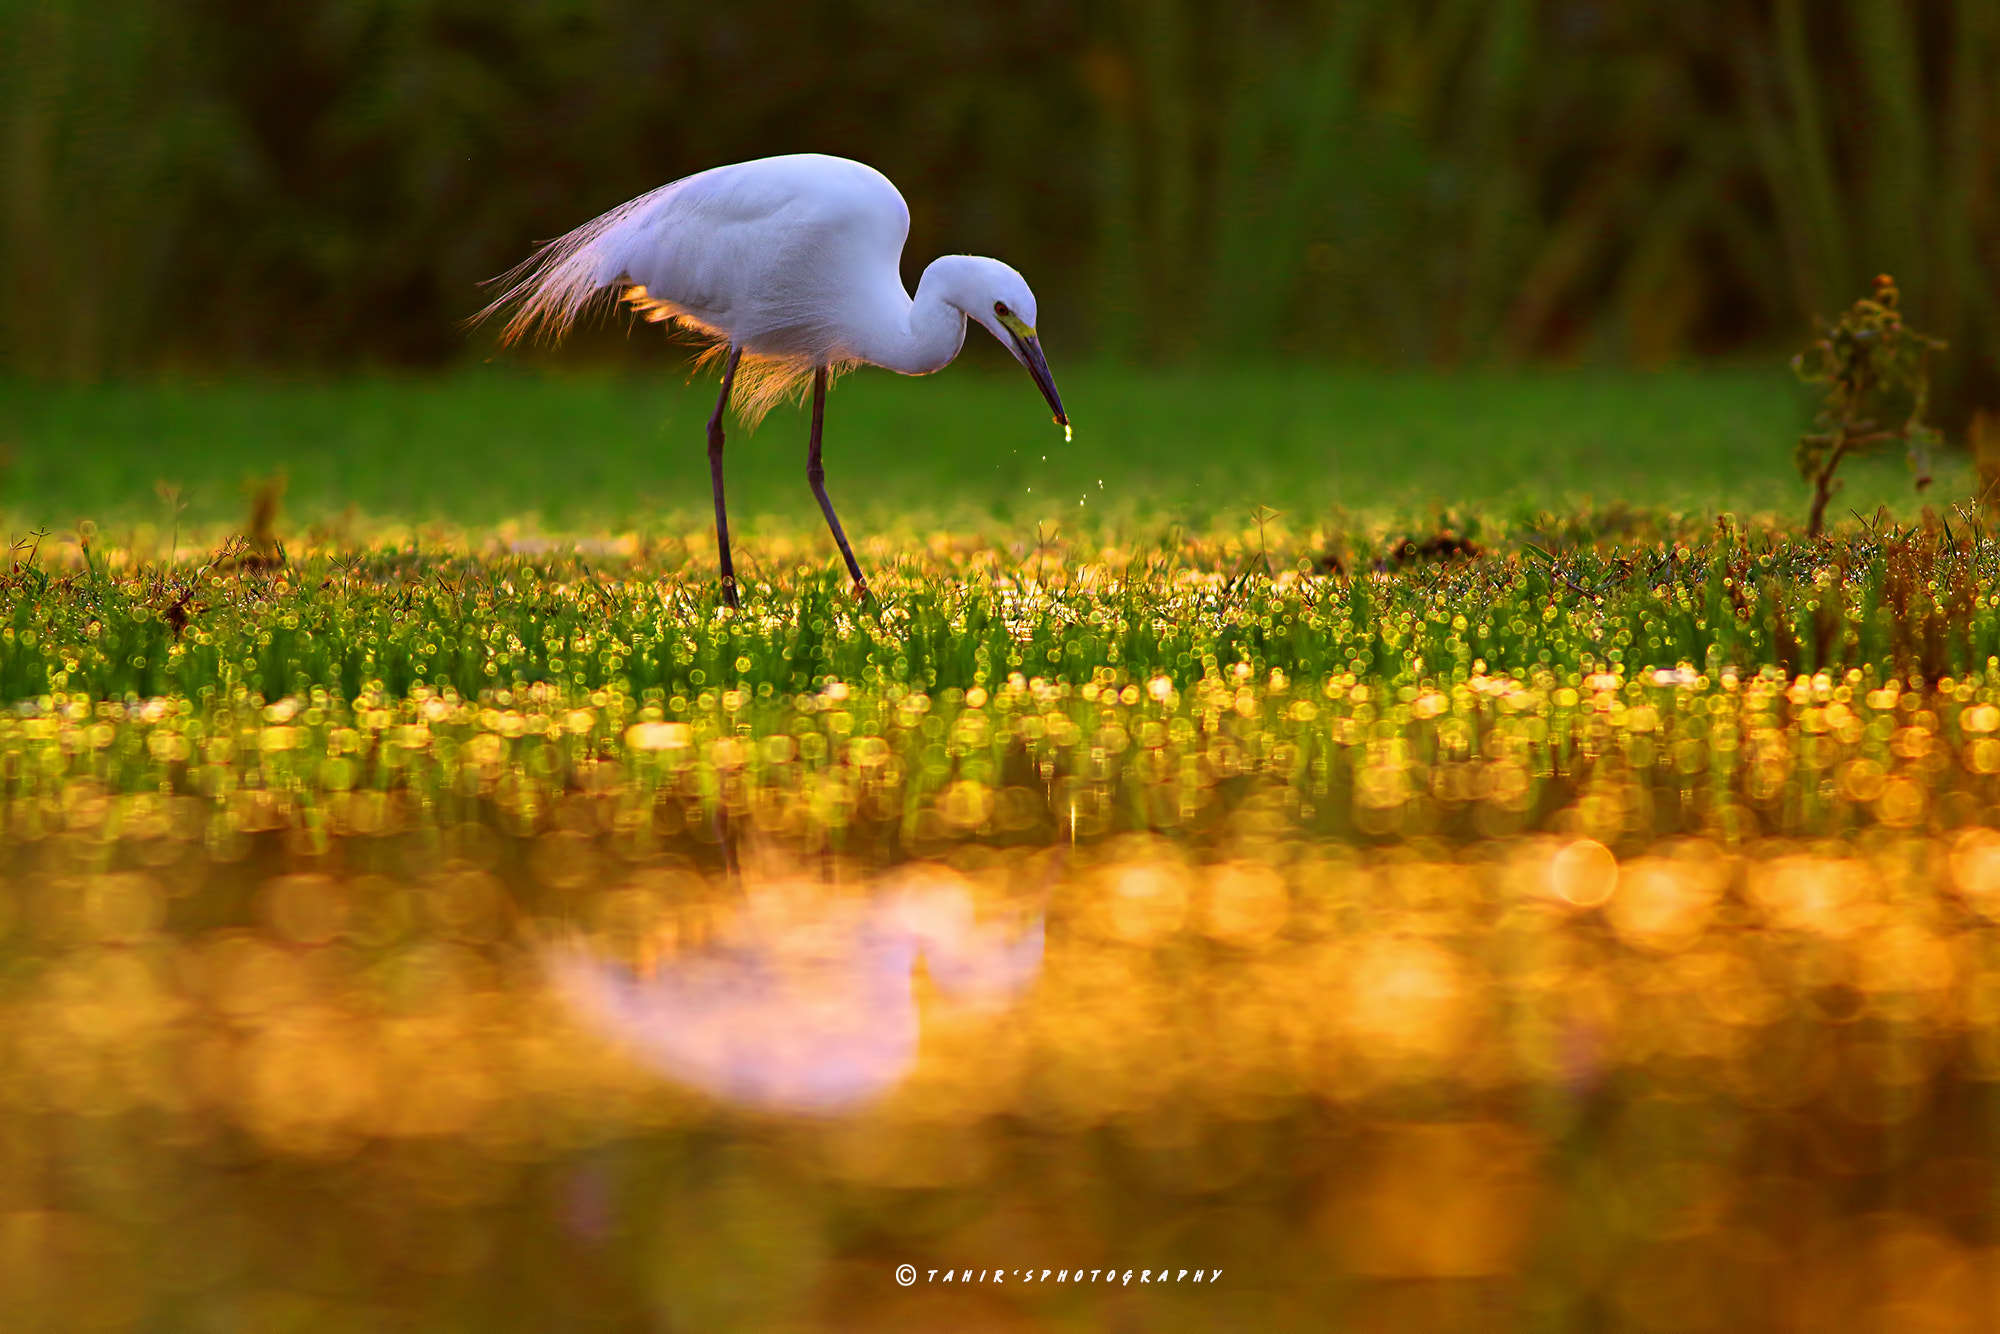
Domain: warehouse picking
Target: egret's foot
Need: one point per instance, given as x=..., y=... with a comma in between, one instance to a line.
x=864, y=594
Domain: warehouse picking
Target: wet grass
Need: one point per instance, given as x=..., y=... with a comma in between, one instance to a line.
x=1618, y=590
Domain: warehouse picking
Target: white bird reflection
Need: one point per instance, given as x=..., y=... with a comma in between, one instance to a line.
x=808, y=1005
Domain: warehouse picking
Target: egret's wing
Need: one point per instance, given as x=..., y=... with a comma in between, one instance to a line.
x=754, y=251
x=551, y=289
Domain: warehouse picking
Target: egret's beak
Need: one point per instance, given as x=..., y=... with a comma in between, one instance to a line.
x=1029, y=349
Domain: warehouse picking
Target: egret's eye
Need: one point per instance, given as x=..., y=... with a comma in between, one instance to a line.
x=1000, y=309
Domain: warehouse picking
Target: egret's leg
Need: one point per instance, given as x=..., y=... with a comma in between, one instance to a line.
x=715, y=477
x=816, y=477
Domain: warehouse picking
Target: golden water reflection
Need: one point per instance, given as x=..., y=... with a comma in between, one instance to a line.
x=806, y=1003
x=1533, y=1084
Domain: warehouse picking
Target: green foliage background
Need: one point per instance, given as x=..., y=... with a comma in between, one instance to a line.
x=212, y=183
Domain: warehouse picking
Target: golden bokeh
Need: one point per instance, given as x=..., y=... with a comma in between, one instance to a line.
x=1652, y=1006
x=1584, y=873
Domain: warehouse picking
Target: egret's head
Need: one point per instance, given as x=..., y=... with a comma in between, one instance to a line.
x=998, y=297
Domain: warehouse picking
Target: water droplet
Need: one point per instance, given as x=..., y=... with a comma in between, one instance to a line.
x=1068, y=434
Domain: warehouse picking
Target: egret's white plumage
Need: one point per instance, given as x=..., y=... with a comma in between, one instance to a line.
x=789, y=268
x=794, y=259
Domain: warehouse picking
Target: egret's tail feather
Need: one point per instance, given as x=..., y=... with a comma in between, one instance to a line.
x=565, y=277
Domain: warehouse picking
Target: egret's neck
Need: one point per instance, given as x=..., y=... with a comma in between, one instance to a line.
x=929, y=332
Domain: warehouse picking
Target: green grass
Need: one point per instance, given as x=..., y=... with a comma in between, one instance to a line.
x=1592, y=499
x=968, y=447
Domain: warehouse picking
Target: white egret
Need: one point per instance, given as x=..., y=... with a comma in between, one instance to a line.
x=788, y=268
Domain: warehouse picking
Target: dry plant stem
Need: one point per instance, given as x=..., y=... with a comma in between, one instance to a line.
x=816, y=478
x=715, y=477
x=1824, y=486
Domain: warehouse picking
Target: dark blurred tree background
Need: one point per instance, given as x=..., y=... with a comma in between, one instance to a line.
x=210, y=185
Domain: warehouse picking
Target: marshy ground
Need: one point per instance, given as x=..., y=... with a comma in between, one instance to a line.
x=1536, y=911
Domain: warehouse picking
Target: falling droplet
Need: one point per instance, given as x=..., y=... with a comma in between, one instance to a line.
x=1068, y=434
